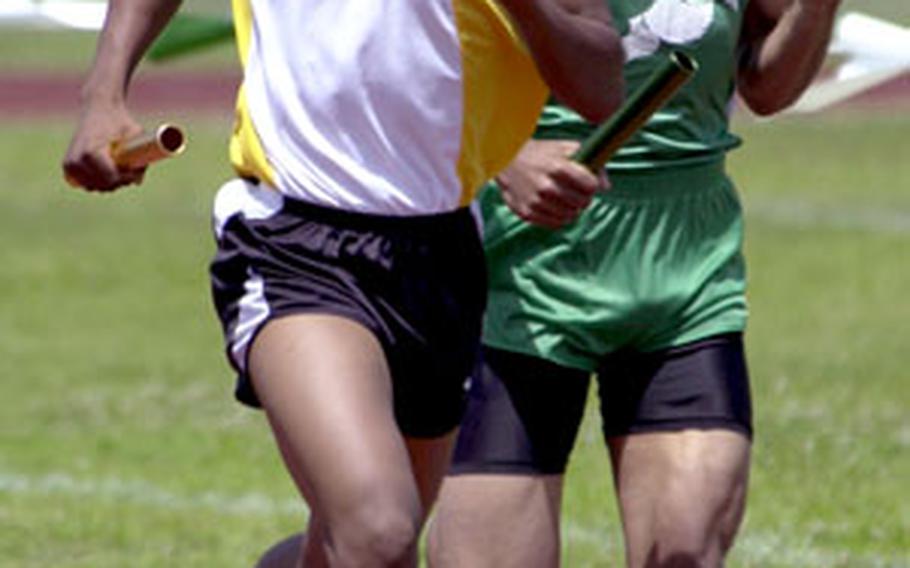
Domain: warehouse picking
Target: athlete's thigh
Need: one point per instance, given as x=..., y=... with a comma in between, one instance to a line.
x=497, y=520
x=678, y=424
x=430, y=459
x=500, y=506
x=681, y=493
x=324, y=384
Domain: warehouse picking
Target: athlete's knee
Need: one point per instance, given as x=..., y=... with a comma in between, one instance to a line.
x=678, y=553
x=376, y=535
x=687, y=546
x=676, y=560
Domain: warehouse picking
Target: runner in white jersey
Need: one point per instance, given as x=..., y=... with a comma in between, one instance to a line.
x=385, y=99
x=349, y=276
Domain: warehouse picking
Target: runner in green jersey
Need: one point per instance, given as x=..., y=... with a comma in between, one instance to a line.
x=642, y=286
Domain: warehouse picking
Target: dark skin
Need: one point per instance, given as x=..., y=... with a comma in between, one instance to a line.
x=782, y=45
x=546, y=29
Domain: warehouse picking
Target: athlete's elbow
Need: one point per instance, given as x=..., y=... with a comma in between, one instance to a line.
x=595, y=100
x=767, y=103
x=765, y=96
x=599, y=87
x=604, y=105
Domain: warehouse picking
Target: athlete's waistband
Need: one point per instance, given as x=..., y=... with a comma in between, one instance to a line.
x=653, y=181
x=456, y=219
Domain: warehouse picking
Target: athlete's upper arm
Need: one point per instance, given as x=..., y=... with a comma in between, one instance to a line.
x=782, y=45
x=534, y=11
x=760, y=18
x=577, y=50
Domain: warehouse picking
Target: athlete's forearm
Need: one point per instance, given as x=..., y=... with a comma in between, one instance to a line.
x=577, y=50
x=783, y=51
x=129, y=29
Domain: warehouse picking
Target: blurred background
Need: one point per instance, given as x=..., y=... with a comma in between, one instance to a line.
x=120, y=443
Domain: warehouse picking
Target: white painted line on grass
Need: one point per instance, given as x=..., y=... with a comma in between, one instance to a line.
x=752, y=547
x=144, y=493
x=802, y=214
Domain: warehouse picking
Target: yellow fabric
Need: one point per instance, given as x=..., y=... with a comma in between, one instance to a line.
x=246, y=152
x=503, y=92
x=502, y=96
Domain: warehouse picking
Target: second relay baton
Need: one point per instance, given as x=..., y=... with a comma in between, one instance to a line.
x=609, y=136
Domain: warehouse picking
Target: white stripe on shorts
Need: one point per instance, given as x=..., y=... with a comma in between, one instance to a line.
x=239, y=196
x=253, y=312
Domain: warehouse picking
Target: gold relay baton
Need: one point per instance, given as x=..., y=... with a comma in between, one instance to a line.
x=609, y=136
x=165, y=141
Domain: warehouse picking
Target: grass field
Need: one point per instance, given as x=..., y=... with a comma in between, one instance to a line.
x=120, y=444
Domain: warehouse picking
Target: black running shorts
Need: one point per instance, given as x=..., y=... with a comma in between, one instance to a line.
x=418, y=283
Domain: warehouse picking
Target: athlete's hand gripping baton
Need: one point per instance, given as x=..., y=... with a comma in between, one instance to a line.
x=165, y=141
x=609, y=136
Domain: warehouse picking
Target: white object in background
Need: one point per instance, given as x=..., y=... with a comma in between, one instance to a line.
x=50, y=14
x=874, y=51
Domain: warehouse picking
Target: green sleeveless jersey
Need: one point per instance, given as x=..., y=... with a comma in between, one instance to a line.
x=693, y=127
x=656, y=261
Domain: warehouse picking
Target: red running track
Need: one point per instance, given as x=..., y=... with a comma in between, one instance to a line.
x=32, y=95
x=29, y=95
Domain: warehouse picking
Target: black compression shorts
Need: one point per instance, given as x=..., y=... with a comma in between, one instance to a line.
x=524, y=412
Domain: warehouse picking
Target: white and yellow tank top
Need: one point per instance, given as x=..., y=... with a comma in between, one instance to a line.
x=391, y=107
